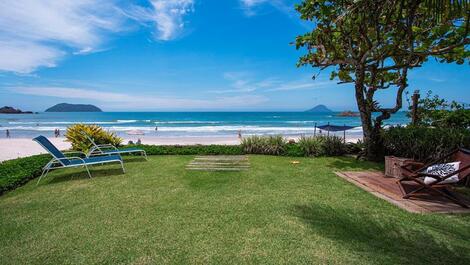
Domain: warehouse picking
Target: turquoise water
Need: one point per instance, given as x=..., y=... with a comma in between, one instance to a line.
x=184, y=123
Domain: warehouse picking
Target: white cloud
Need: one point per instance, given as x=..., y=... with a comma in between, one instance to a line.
x=166, y=14
x=123, y=101
x=249, y=6
x=252, y=7
x=39, y=32
x=244, y=82
x=24, y=57
x=302, y=85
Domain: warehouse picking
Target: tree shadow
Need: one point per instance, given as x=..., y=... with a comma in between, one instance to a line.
x=349, y=163
x=387, y=241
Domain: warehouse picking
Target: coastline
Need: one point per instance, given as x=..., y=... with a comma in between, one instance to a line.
x=22, y=147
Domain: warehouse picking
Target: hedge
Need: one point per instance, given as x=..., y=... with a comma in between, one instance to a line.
x=16, y=172
x=191, y=149
x=424, y=143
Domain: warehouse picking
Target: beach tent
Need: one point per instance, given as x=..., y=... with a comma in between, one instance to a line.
x=333, y=128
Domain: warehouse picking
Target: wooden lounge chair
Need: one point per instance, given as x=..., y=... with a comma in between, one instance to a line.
x=439, y=183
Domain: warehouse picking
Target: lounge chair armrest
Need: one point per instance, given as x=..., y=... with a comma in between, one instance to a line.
x=74, y=152
x=413, y=163
x=107, y=146
x=413, y=166
x=72, y=158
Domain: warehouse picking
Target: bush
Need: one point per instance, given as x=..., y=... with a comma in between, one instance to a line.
x=16, y=172
x=79, y=142
x=191, y=149
x=355, y=148
x=307, y=146
x=333, y=146
x=424, y=144
x=267, y=145
x=311, y=145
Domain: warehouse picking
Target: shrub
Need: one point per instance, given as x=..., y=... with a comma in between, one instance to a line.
x=79, y=142
x=424, y=144
x=311, y=145
x=191, y=149
x=355, y=148
x=267, y=145
x=16, y=172
x=333, y=146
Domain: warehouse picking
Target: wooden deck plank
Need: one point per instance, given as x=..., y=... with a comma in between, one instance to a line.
x=219, y=163
x=388, y=189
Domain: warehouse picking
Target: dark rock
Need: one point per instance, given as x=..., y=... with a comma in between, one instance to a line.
x=11, y=110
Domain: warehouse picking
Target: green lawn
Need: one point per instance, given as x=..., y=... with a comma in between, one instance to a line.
x=276, y=212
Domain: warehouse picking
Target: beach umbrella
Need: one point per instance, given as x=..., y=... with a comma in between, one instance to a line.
x=335, y=128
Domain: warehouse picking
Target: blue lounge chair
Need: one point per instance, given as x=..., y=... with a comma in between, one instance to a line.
x=59, y=159
x=109, y=149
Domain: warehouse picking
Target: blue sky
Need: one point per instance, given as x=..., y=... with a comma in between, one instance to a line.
x=174, y=55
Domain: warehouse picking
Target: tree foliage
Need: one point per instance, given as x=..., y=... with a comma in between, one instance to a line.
x=374, y=44
x=438, y=112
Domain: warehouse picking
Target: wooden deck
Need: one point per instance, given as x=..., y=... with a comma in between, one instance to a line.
x=219, y=163
x=387, y=188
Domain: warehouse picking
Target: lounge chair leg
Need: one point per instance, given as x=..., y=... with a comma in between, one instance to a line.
x=44, y=173
x=88, y=171
x=408, y=195
x=451, y=196
x=122, y=165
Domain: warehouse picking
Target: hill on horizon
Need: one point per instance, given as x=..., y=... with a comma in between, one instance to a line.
x=319, y=108
x=66, y=107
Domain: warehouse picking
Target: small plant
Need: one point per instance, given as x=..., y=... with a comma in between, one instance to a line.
x=333, y=146
x=355, y=148
x=75, y=135
x=267, y=145
x=311, y=145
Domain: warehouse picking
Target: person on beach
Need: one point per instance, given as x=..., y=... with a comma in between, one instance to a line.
x=156, y=128
x=239, y=134
x=8, y=133
x=58, y=132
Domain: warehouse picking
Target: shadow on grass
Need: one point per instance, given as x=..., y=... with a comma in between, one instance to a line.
x=212, y=180
x=95, y=173
x=382, y=241
x=350, y=163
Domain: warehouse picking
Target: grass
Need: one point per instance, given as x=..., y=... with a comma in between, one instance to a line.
x=276, y=212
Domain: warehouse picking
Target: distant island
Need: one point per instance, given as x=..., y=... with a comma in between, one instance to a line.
x=348, y=114
x=66, y=107
x=11, y=110
x=319, y=108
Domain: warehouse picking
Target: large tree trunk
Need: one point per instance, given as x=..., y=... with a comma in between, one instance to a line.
x=371, y=131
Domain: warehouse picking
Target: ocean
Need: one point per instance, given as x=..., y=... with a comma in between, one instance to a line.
x=184, y=124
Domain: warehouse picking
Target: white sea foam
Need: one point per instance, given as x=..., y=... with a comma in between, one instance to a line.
x=69, y=122
x=193, y=129
x=187, y=122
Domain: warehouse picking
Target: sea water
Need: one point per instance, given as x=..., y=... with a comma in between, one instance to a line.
x=185, y=124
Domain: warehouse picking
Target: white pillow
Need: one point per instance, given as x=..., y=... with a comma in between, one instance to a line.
x=442, y=170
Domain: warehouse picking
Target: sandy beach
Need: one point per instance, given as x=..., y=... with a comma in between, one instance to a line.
x=21, y=147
